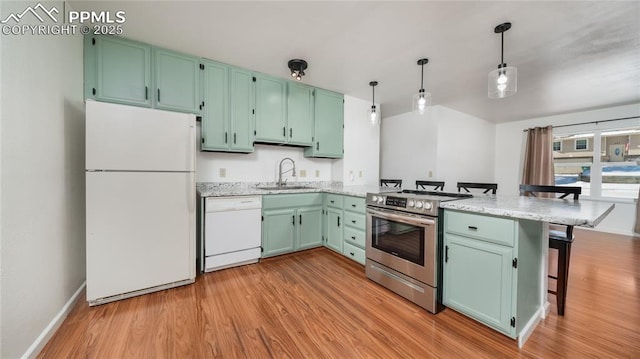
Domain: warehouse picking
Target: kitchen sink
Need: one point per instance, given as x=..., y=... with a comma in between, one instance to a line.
x=282, y=188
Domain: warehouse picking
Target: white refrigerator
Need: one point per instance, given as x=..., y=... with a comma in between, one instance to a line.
x=140, y=200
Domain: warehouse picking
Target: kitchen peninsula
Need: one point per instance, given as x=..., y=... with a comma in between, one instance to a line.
x=495, y=265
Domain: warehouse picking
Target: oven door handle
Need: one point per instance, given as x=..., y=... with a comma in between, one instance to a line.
x=403, y=219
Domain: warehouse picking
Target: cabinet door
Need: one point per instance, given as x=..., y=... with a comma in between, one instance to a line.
x=478, y=281
x=329, y=122
x=309, y=227
x=300, y=114
x=176, y=81
x=335, y=223
x=242, y=125
x=271, y=119
x=215, y=114
x=122, y=71
x=278, y=230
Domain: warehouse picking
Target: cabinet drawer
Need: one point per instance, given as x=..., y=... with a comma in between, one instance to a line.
x=354, y=204
x=354, y=237
x=353, y=252
x=491, y=229
x=355, y=220
x=334, y=200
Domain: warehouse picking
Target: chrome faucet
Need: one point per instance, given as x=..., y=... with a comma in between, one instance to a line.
x=280, y=173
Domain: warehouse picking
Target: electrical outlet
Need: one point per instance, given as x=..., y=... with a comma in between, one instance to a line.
x=317, y=173
x=430, y=174
x=223, y=172
x=351, y=176
x=303, y=173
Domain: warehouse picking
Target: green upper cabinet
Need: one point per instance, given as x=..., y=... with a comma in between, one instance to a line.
x=329, y=125
x=176, y=81
x=299, y=114
x=271, y=109
x=117, y=70
x=227, y=119
x=242, y=120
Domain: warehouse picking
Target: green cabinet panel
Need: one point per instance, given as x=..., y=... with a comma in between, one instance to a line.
x=227, y=119
x=478, y=280
x=215, y=114
x=176, y=81
x=329, y=125
x=278, y=231
x=271, y=109
x=309, y=228
x=242, y=97
x=117, y=70
x=335, y=224
x=299, y=114
x=355, y=253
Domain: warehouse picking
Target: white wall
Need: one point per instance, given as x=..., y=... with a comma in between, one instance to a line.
x=444, y=145
x=42, y=178
x=511, y=140
x=262, y=164
x=361, y=162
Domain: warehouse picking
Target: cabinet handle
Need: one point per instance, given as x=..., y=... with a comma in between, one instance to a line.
x=352, y=221
x=300, y=219
x=473, y=228
x=332, y=201
x=353, y=237
x=351, y=253
x=284, y=132
x=291, y=132
x=293, y=219
x=225, y=137
x=146, y=93
x=318, y=146
x=158, y=95
x=338, y=221
x=234, y=138
x=353, y=205
x=446, y=254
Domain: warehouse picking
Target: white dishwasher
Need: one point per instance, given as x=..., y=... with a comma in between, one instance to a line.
x=232, y=231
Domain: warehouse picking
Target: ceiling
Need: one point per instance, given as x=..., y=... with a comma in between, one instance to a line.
x=570, y=55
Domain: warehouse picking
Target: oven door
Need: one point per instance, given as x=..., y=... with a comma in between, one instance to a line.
x=403, y=242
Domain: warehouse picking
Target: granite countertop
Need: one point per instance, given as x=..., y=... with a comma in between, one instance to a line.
x=227, y=189
x=561, y=211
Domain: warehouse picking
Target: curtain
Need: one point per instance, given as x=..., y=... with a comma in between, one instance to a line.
x=538, y=157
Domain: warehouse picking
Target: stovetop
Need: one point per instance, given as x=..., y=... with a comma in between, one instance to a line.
x=420, y=202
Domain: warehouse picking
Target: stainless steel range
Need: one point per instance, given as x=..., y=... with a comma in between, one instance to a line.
x=404, y=244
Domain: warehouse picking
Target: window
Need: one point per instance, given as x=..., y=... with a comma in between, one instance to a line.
x=605, y=163
x=581, y=144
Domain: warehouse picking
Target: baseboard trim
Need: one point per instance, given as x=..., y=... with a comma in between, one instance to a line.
x=528, y=328
x=50, y=330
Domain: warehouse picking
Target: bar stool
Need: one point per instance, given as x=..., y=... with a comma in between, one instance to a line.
x=437, y=185
x=493, y=187
x=387, y=182
x=558, y=239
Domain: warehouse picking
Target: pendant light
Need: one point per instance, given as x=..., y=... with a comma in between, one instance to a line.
x=503, y=81
x=374, y=116
x=297, y=68
x=422, y=100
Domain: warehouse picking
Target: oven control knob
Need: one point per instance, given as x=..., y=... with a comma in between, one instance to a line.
x=411, y=203
x=427, y=205
x=419, y=204
x=374, y=198
x=380, y=199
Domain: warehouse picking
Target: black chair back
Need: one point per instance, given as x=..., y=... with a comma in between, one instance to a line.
x=388, y=182
x=493, y=187
x=564, y=191
x=438, y=185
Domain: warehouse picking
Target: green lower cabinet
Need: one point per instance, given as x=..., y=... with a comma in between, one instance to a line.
x=309, y=227
x=492, y=269
x=335, y=224
x=278, y=231
x=291, y=222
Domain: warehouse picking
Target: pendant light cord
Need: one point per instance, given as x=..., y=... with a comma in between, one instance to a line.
x=502, y=49
x=422, y=78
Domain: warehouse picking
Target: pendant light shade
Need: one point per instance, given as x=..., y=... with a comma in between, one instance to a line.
x=373, y=114
x=297, y=67
x=503, y=81
x=422, y=100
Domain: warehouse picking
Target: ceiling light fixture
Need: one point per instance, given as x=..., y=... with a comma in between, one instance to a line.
x=421, y=100
x=374, y=116
x=297, y=68
x=503, y=81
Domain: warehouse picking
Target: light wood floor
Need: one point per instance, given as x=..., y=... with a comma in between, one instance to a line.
x=318, y=304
